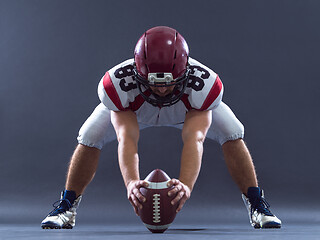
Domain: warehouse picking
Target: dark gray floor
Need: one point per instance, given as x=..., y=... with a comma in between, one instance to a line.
x=98, y=222
x=177, y=231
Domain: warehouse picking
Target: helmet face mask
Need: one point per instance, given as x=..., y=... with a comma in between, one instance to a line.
x=162, y=101
x=161, y=60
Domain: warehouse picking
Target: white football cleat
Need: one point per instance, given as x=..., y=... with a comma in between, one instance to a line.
x=258, y=209
x=64, y=214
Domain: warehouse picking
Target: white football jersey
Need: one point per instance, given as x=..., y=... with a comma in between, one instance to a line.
x=118, y=91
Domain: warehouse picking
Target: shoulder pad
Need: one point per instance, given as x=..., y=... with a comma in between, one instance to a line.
x=117, y=87
x=204, y=88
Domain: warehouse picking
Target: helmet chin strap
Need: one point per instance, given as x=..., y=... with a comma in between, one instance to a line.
x=156, y=100
x=165, y=101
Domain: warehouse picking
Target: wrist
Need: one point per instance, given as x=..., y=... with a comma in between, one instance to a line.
x=189, y=186
x=127, y=183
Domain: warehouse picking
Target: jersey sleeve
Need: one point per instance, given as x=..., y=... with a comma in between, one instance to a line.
x=116, y=89
x=214, y=96
x=206, y=88
x=108, y=94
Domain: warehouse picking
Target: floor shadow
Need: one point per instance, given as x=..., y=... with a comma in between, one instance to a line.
x=186, y=229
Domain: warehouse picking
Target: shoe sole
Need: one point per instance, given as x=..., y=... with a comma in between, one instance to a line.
x=268, y=225
x=68, y=226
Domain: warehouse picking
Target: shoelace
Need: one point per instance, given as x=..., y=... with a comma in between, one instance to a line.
x=262, y=206
x=59, y=207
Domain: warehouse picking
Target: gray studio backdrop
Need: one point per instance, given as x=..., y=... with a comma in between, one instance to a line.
x=53, y=54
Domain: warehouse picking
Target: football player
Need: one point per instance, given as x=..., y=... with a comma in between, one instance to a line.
x=161, y=86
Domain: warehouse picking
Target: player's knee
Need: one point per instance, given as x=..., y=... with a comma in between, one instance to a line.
x=90, y=138
x=232, y=142
x=234, y=132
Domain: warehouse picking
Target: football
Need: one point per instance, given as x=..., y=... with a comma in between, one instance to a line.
x=157, y=212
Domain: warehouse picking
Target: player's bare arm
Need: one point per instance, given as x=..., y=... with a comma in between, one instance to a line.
x=156, y=88
x=127, y=130
x=194, y=133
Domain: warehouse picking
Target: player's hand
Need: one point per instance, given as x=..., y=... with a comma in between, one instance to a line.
x=181, y=191
x=134, y=195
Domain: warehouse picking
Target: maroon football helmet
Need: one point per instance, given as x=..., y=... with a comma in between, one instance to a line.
x=161, y=60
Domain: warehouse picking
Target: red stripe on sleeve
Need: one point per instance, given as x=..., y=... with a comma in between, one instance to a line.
x=112, y=92
x=186, y=102
x=213, y=94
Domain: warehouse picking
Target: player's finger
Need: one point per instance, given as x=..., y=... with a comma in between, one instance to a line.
x=135, y=201
x=172, y=182
x=145, y=184
x=141, y=183
x=178, y=197
x=181, y=203
x=134, y=207
x=172, y=192
x=138, y=195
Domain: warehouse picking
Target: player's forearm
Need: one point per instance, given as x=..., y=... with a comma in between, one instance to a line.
x=191, y=161
x=127, y=129
x=194, y=133
x=128, y=160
